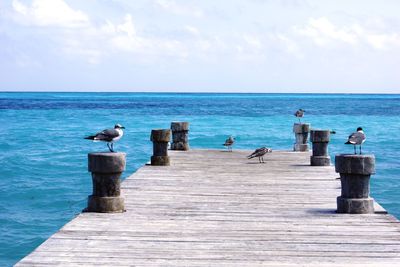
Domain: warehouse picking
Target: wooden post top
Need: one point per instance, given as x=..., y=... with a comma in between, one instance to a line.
x=160, y=135
x=106, y=162
x=355, y=164
x=320, y=136
x=179, y=126
x=301, y=127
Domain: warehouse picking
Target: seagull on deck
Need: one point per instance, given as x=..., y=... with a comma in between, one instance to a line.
x=229, y=143
x=260, y=152
x=299, y=114
x=357, y=138
x=108, y=135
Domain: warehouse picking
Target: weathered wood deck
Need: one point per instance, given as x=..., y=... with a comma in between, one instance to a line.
x=213, y=208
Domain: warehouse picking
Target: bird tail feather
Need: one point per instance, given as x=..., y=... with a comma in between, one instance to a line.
x=348, y=143
x=90, y=137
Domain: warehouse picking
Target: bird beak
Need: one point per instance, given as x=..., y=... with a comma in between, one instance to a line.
x=122, y=127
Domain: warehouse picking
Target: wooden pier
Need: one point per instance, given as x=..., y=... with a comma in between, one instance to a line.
x=216, y=208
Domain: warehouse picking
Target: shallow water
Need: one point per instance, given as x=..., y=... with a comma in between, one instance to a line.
x=43, y=161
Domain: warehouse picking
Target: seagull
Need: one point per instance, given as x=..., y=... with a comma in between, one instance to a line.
x=260, y=152
x=108, y=135
x=299, y=114
x=356, y=138
x=229, y=142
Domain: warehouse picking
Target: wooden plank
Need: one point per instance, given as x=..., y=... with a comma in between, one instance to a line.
x=212, y=207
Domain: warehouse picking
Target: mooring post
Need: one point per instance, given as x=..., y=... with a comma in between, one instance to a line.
x=355, y=172
x=106, y=169
x=301, y=133
x=160, y=139
x=320, y=140
x=180, y=132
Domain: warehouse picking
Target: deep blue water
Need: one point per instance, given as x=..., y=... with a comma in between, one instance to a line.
x=44, y=181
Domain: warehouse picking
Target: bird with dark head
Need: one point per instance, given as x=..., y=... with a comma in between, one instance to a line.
x=260, y=152
x=299, y=114
x=356, y=138
x=229, y=143
x=108, y=135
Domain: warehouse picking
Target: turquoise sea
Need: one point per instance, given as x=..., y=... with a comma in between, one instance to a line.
x=44, y=181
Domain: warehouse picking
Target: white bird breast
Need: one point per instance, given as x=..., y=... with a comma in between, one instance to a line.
x=121, y=133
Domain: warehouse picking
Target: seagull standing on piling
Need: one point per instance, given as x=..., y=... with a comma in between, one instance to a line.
x=299, y=114
x=357, y=138
x=229, y=143
x=108, y=135
x=260, y=152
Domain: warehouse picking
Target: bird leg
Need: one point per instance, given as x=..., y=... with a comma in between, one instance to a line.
x=360, y=150
x=262, y=158
x=111, y=148
x=355, y=150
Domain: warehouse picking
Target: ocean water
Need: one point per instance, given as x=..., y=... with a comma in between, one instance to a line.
x=44, y=181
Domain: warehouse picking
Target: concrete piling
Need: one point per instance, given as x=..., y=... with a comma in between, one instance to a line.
x=160, y=139
x=320, y=140
x=301, y=133
x=180, y=136
x=106, y=169
x=355, y=172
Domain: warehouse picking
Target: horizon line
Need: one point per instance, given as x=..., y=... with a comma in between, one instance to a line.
x=199, y=92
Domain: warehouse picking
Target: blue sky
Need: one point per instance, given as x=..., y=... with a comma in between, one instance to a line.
x=322, y=46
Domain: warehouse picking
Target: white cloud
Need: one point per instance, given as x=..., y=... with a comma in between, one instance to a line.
x=24, y=60
x=192, y=30
x=322, y=31
x=178, y=9
x=288, y=44
x=325, y=33
x=49, y=13
x=127, y=27
x=20, y=8
x=82, y=38
x=383, y=41
x=253, y=41
x=75, y=47
x=124, y=37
